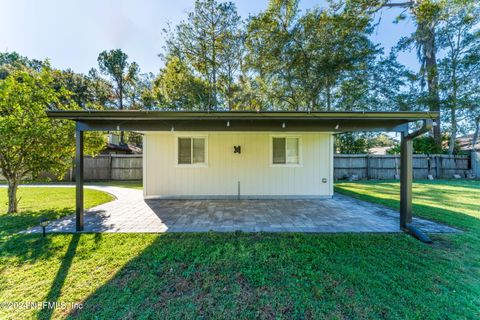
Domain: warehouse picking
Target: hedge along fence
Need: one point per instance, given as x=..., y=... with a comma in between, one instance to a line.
x=129, y=167
x=383, y=167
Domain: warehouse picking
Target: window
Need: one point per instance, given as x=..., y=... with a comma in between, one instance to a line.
x=191, y=150
x=285, y=150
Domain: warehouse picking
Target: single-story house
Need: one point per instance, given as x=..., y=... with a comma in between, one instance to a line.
x=465, y=143
x=113, y=146
x=237, y=164
x=218, y=155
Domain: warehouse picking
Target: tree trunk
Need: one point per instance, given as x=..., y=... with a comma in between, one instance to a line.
x=120, y=91
x=474, y=153
x=432, y=80
x=329, y=97
x=477, y=132
x=12, y=196
x=453, y=137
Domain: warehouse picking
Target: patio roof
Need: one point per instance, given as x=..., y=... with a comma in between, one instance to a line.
x=145, y=120
x=257, y=121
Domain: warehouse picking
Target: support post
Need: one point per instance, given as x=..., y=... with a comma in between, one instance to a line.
x=406, y=177
x=79, y=180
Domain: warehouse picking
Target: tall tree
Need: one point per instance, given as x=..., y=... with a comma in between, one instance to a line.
x=460, y=66
x=206, y=41
x=12, y=61
x=100, y=90
x=302, y=60
x=426, y=14
x=177, y=88
x=114, y=63
x=272, y=56
x=137, y=93
x=29, y=141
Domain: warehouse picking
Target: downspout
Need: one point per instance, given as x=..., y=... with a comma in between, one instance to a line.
x=406, y=189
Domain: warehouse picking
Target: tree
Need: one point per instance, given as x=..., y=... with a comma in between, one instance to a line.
x=303, y=60
x=209, y=42
x=114, y=63
x=29, y=141
x=10, y=61
x=460, y=66
x=177, y=88
x=353, y=143
x=427, y=15
x=100, y=90
x=271, y=54
x=137, y=94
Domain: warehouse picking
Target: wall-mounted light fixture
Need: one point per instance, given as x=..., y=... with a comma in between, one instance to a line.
x=173, y=128
x=337, y=126
x=228, y=123
x=283, y=125
x=118, y=127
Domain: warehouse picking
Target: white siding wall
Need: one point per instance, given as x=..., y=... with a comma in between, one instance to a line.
x=163, y=178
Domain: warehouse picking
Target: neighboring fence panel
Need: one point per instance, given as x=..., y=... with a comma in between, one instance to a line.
x=388, y=166
x=126, y=167
x=98, y=168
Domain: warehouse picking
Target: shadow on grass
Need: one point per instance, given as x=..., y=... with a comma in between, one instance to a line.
x=282, y=275
x=57, y=285
x=13, y=223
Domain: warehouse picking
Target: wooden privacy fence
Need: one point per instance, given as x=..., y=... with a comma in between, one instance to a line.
x=366, y=166
x=129, y=167
x=113, y=167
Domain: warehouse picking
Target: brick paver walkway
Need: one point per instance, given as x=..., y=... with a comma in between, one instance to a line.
x=131, y=213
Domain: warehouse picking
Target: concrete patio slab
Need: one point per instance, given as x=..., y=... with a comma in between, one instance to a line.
x=130, y=213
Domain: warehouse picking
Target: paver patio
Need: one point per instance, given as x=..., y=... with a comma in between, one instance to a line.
x=131, y=213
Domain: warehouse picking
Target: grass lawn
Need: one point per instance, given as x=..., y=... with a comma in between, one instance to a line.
x=38, y=202
x=267, y=276
x=123, y=184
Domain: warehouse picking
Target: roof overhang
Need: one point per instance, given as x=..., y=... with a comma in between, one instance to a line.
x=144, y=120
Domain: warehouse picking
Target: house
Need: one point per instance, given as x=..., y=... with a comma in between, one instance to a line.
x=245, y=154
x=465, y=143
x=113, y=146
x=237, y=164
x=379, y=151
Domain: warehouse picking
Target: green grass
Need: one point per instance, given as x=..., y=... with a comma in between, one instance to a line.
x=454, y=202
x=266, y=276
x=138, y=185
x=38, y=202
x=132, y=184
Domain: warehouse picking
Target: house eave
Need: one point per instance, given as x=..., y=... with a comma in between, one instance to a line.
x=144, y=120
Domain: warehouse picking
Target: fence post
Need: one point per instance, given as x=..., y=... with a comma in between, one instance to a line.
x=475, y=163
x=111, y=166
x=367, y=159
x=437, y=167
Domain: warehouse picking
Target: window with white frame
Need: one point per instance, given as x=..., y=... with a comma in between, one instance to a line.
x=191, y=150
x=285, y=150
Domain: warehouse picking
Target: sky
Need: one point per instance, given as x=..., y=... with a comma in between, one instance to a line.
x=72, y=33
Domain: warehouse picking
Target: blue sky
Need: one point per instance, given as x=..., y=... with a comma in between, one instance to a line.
x=72, y=33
